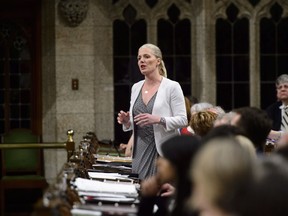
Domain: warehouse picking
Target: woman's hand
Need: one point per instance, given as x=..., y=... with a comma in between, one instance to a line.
x=123, y=118
x=150, y=186
x=144, y=119
x=167, y=190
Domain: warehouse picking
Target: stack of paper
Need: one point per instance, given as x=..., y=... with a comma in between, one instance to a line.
x=109, y=176
x=106, y=187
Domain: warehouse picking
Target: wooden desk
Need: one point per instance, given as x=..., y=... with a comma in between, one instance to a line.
x=65, y=198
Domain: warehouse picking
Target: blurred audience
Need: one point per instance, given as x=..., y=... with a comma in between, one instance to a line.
x=269, y=193
x=222, y=173
x=172, y=169
x=227, y=178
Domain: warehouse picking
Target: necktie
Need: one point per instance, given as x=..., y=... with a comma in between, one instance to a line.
x=284, y=122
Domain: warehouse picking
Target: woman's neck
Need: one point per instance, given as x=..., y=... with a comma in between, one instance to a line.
x=153, y=80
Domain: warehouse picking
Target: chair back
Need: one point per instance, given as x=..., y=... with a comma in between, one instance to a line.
x=21, y=161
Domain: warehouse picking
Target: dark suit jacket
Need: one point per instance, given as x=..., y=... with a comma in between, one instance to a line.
x=275, y=114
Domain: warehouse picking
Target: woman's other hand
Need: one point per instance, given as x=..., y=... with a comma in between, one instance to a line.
x=144, y=119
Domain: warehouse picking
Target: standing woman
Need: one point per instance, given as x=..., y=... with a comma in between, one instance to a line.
x=157, y=111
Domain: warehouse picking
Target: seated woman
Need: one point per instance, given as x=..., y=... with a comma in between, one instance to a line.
x=269, y=193
x=202, y=122
x=222, y=173
x=172, y=169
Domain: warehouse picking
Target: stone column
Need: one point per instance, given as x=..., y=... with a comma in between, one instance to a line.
x=203, y=45
x=49, y=133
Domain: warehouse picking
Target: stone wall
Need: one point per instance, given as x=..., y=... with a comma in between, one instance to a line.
x=83, y=52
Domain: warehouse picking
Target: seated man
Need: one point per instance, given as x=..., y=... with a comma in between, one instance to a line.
x=255, y=123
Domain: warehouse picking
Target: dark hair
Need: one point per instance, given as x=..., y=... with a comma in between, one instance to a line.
x=193, y=99
x=269, y=193
x=256, y=125
x=223, y=131
x=180, y=151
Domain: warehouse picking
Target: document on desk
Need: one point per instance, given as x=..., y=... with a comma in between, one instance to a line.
x=84, y=212
x=109, y=176
x=108, y=159
x=104, y=209
x=105, y=187
x=120, y=167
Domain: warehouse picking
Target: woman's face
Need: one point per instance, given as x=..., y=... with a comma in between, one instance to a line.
x=147, y=61
x=282, y=91
x=165, y=170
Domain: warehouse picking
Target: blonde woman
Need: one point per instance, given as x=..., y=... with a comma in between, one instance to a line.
x=222, y=173
x=157, y=111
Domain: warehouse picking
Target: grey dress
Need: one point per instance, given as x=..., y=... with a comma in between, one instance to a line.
x=144, y=150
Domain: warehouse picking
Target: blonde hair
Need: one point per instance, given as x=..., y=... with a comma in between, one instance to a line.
x=202, y=122
x=157, y=52
x=247, y=144
x=222, y=169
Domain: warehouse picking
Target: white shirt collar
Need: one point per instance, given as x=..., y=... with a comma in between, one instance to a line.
x=283, y=106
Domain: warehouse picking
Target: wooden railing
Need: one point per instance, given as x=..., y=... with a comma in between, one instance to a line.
x=69, y=145
x=31, y=145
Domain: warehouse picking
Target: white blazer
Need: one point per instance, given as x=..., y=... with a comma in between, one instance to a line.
x=170, y=104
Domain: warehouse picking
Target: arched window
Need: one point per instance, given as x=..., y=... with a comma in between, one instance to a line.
x=15, y=78
x=174, y=39
x=273, y=52
x=232, y=60
x=128, y=35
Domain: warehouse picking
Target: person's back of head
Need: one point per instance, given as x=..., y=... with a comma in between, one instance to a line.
x=225, y=130
x=202, y=106
x=218, y=110
x=269, y=193
x=247, y=144
x=222, y=172
x=202, y=122
x=180, y=151
x=255, y=123
x=224, y=118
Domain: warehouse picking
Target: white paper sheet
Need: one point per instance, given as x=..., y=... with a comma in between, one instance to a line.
x=108, y=176
x=83, y=212
x=98, y=186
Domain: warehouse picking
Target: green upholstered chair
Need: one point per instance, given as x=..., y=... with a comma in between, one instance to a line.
x=22, y=169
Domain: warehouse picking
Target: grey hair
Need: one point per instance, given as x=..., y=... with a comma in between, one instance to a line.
x=282, y=79
x=201, y=107
x=157, y=52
